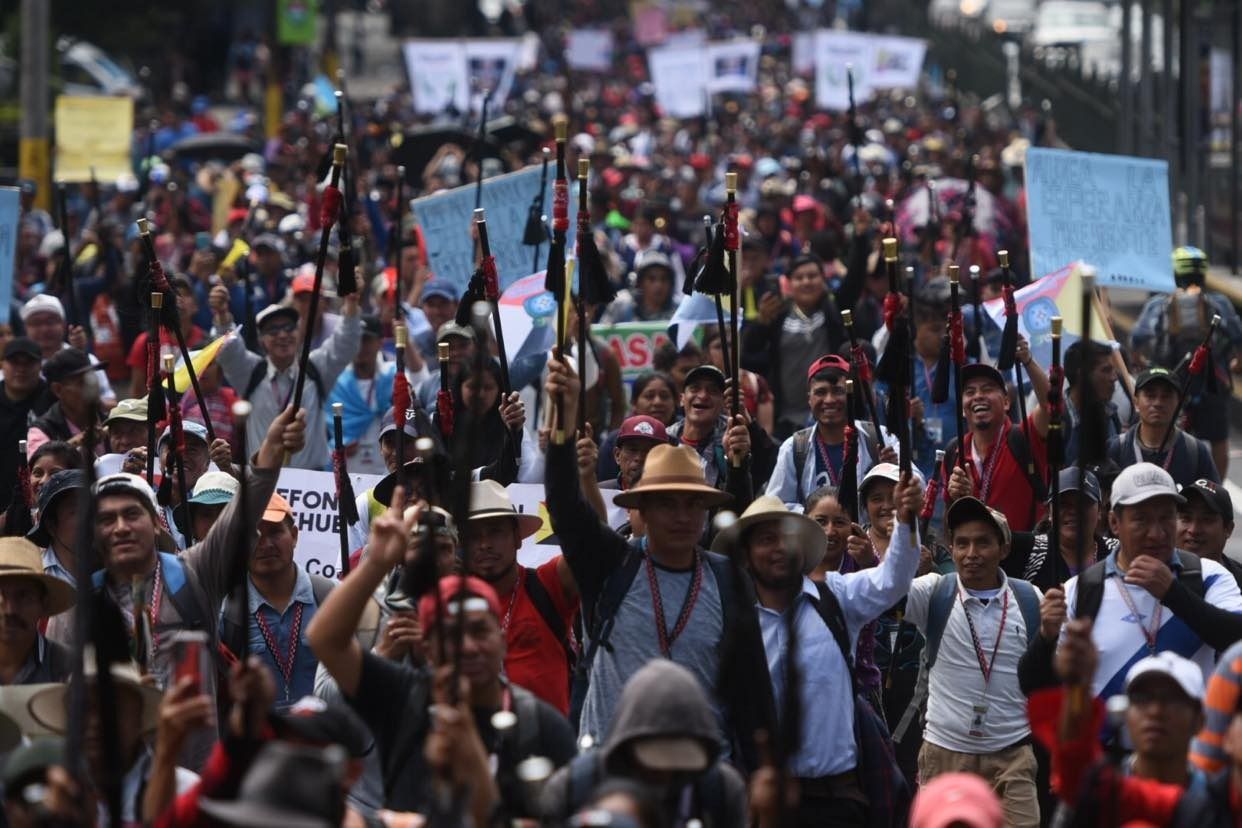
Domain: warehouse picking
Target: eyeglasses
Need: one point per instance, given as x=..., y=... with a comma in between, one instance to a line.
x=276, y=330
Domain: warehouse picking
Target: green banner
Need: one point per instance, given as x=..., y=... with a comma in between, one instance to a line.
x=634, y=344
x=295, y=22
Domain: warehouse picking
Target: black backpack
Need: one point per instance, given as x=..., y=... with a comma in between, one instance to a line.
x=260, y=373
x=1090, y=592
x=802, y=450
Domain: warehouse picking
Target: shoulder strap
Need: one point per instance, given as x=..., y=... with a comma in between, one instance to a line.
x=231, y=622
x=722, y=568
x=527, y=709
x=260, y=371
x=1191, y=575
x=191, y=613
x=938, y=608
x=801, y=448
x=320, y=586
x=830, y=611
x=546, y=608
x=1090, y=591
x=599, y=617
x=1021, y=450
x=1028, y=604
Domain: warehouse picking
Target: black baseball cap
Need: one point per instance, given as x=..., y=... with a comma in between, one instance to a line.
x=22, y=346
x=979, y=370
x=1213, y=494
x=1157, y=375
x=1067, y=481
x=69, y=362
x=705, y=372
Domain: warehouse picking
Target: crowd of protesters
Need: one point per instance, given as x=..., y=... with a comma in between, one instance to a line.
x=790, y=613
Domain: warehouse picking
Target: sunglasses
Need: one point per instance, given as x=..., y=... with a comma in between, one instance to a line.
x=276, y=330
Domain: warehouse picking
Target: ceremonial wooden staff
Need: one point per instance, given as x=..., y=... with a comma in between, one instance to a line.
x=713, y=279
x=1055, y=442
x=18, y=522
x=346, y=263
x=479, y=139
x=137, y=597
x=930, y=494
x=398, y=244
x=894, y=367
x=66, y=264
x=554, y=278
x=733, y=243
x=346, y=507
x=239, y=575
x=847, y=491
x=444, y=397
x=536, y=232
x=168, y=315
x=594, y=288
x=490, y=280
x=1198, y=366
x=401, y=397
x=327, y=217
x=861, y=382
x=974, y=345
x=176, y=436
x=966, y=227
x=855, y=135
x=953, y=358
x=1009, y=335
x=156, y=410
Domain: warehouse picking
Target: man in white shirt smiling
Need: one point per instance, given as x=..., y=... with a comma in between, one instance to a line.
x=977, y=623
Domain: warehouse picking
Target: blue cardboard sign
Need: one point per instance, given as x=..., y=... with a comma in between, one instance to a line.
x=1109, y=211
x=10, y=212
x=445, y=219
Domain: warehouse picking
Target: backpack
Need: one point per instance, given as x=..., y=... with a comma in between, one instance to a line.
x=260, y=373
x=586, y=772
x=802, y=450
x=1090, y=592
x=939, y=607
x=885, y=787
x=1020, y=448
x=539, y=596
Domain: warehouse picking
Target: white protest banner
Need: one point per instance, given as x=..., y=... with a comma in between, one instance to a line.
x=732, y=65
x=312, y=496
x=544, y=545
x=896, y=62
x=438, y=77
x=802, y=58
x=490, y=67
x=679, y=74
x=835, y=52
x=686, y=38
x=589, y=50
x=1109, y=211
x=445, y=220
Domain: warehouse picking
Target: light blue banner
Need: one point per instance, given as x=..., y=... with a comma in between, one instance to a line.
x=1109, y=211
x=10, y=211
x=445, y=219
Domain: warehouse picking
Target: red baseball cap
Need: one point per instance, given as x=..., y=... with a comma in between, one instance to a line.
x=642, y=427
x=450, y=587
x=956, y=799
x=238, y=214
x=828, y=362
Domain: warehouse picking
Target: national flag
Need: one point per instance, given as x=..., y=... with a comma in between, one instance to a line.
x=695, y=310
x=201, y=359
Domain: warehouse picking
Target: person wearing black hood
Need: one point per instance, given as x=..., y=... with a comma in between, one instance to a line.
x=664, y=735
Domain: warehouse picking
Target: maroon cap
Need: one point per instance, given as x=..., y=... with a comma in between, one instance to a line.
x=451, y=587
x=828, y=362
x=642, y=427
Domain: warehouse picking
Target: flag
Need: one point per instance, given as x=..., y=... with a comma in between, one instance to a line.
x=1057, y=294
x=201, y=359
x=528, y=313
x=694, y=310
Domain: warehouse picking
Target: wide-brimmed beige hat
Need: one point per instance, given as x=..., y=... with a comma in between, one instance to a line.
x=49, y=706
x=21, y=558
x=671, y=470
x=488, y=499
x=806, y=536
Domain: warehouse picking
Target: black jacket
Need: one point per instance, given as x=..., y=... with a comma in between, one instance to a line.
x=761, y=344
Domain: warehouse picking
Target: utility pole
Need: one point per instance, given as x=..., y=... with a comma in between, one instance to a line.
x=34, y=158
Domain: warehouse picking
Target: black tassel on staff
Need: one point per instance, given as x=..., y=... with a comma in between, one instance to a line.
x=444, y=397
x=346, y=508
x=554, y=279
x=156, y=410
x=491, y=291
x=894, y=367
x=168, y=316
x=536, y=231
x=176, y=436
x=346, y=275
x=1009, y=336
x=855, y=135
x=958, y=349
x=327, y=217
x=594, y=288
x=861, y=382
x=713, y=279
x=733, y=244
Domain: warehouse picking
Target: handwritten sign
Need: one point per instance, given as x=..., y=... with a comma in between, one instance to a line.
x=1109, y=211
x=445, y=218
x=93, y=132
x=10, y=209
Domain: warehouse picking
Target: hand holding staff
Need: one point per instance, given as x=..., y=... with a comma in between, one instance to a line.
x=1009, y=336
x=1197, y=367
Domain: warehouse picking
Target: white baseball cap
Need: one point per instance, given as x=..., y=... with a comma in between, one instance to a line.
x=886, y=471
x=1182, y=670
x=42, y=303
x=1143, y=481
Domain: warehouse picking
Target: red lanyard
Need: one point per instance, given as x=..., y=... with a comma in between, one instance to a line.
x=989, y=463
x=657, y=603
x=928, y=376
x=1148, y=635
x=284, y=665
x=517, y=587
x=986, y=665
x=822, y=448
x=157, y=598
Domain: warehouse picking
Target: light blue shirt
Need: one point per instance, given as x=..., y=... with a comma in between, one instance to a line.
x=828, y=746
x=302, y=677
x=51, y=566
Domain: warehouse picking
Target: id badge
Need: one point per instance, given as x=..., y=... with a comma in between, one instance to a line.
x=934, y=427
x=978, y=714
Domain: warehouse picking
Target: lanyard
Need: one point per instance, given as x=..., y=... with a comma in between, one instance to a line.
x=285, y=666
x=1149, y=636
x=276, y=392
x=834, y=475
x=517, y=587
x=157, y=598
x=1168, y=457
x=985, y=664
x=986, y=471
x=667, y=638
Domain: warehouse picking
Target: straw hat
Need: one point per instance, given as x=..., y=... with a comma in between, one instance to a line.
x=488, y=499
x=49, y=706
x=21, y=558
x=804, y=534
x=671, y=470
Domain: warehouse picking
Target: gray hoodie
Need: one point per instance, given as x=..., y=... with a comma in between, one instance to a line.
x=662, y=699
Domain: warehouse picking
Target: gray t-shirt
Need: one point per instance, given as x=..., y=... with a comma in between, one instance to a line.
x=634, y=641
x=801, y=344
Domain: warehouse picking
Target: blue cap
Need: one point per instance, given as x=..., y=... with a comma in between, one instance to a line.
x=192, y=429
x=442, y=288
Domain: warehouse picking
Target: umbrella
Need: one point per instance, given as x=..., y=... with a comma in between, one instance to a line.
x=214, y=146
x=913, y=213
x=419, y=146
